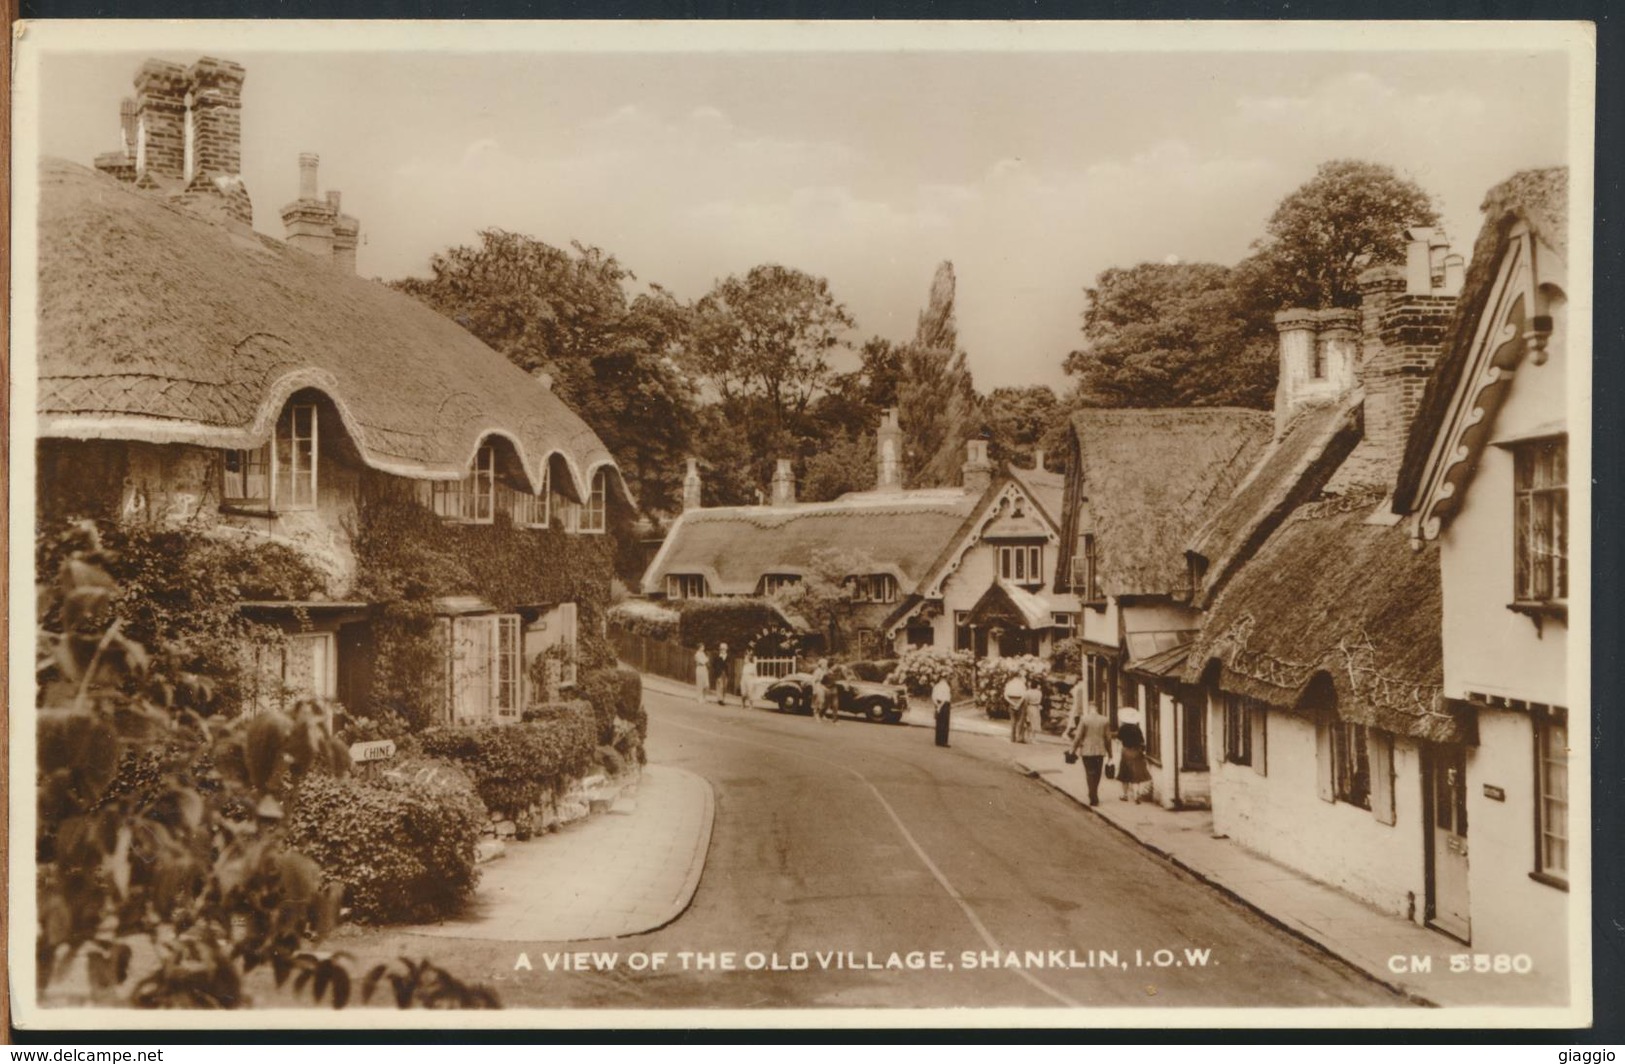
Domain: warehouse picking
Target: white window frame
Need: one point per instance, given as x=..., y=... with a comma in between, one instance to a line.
x=1533, y=557
x=1351, y=752
x=594, y=516
x=773, y=583
x=1023, y=564
x=682, y=586
x=874, y=587
x=471, y=500
x=281, y=455
x=486, y=665
x=270, y=665
x=1065, y=624
x=534, y=511
x=1551, y=807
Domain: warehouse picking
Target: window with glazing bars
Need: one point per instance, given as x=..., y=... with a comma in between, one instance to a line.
x=1540, y=521
x=472, y=498
x=280, y=475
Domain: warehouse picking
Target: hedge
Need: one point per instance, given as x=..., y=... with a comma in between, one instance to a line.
x=403, y=845
x=516, y=766
x=615, y=694
x=740, y=622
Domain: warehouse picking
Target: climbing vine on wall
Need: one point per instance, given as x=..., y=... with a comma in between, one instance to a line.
x=406, y=556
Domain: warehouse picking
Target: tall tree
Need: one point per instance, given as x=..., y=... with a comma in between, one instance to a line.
x=1347, y=217
x=1183, y=334
x=936, y=398
x=568, y=313
x=768, y=334
x=1020, y=421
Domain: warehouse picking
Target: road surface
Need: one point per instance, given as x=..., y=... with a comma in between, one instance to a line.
x=857, y=865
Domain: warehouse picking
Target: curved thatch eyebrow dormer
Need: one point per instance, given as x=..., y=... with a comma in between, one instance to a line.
x=156, y=325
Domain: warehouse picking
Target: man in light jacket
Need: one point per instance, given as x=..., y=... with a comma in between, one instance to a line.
x=1089, y=740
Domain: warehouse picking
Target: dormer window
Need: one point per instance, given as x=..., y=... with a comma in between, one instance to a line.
x=471, y=499
x=685, y=586
x=535, y=511
x=280, y=475
x=773, y=583
x=1086, y=570
x=595, y=514
x=874, y=587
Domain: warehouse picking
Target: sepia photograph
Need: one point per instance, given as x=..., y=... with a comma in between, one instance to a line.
x=801, y=524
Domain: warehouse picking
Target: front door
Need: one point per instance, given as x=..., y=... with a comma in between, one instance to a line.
x=1447, y=848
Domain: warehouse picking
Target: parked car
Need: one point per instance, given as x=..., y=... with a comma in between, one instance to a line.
x=879, y=702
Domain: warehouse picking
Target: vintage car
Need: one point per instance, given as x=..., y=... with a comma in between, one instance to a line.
x=879, y=702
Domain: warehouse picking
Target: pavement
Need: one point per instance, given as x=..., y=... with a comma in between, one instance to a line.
x=628, y=871
x=1338, y=923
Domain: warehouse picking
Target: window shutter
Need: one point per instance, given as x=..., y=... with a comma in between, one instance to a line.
x=1260, y=740
x=1382, y=777
x=1325, y=760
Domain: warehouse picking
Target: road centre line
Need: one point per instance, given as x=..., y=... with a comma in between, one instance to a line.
x=908, y=836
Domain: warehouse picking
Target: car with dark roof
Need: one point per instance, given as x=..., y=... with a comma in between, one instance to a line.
x=882, y=703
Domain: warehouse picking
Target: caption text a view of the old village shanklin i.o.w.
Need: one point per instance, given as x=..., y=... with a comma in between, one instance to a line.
x=502, y=639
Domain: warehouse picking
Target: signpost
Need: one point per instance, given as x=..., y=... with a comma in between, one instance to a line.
x=376, y=750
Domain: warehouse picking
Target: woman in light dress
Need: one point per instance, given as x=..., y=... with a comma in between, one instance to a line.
x=702, y=674
x=747, y=679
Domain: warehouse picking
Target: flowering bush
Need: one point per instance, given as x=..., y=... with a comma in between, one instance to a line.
x=920, y=669
x=993, y=673
x=1067, y=657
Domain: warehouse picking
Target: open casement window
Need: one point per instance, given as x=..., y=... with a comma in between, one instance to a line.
x=1552, y=798
x=685, y=586
x=485, y=669
x=1540, y=532
x=534, y=511
x=594, y=516
x=473, y=498
x=1355, y=765
x=773, y=583
x=1022, y=564
x=302, y=666
x=874, y=587
x=280, y=475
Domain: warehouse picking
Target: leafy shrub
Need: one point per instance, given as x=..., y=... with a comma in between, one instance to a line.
x=993, y=673
x=403, y=845
x=515, y=766
x=1067, y=657
x=742, y=623
x=921, y=668
x=642, y=617
x=615, y=694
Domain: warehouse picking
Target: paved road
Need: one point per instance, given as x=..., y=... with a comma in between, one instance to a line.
x=837, y=846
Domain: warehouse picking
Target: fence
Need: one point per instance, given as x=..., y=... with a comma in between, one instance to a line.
x=662, y=657
x=775, y=668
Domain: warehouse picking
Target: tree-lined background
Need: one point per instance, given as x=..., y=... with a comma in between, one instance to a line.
x=750, y=372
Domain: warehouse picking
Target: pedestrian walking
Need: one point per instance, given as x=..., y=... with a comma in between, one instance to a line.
x=1015, y=697
x=747, y=680
x=702, y=674
x=1131, y=767
x=942, y=697
x=721, y=665
x=1032, y=711
x=1089, y=730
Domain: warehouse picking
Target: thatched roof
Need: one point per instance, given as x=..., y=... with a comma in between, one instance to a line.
x=1151, y=477
x=733, y=547
x=1540, y=198
x=158, y=325
x=1336, y=594
x=1292, y=471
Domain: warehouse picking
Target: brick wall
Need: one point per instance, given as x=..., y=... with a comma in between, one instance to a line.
x=160, y=115
x=217, y=92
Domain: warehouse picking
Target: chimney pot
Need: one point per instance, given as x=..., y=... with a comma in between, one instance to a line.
x=691, y=485
x=308, y=162
x=1038, y=460
x=889, y=453
x=784, y=483
x=977, y=470
x=545, y=379
x=334, y=196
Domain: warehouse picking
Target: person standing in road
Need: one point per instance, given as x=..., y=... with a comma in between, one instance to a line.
x=721, y=664
x=1089, y=731
x=1032, y=711
x=1015, y=697
x=702, y=674
x=942, y=697
x=1131, y=767
x=747, y=680
x=820, y=694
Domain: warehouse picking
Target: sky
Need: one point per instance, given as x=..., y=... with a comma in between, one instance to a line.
x=1031, y=172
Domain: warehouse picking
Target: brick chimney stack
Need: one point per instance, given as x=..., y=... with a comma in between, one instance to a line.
x=889, y=453
x=1404, y=320
x=217, y=121
x=977, y=470
x=691, y=486
x=121, y=164
x=784, y=483
x=160, y=124
x=346, y=235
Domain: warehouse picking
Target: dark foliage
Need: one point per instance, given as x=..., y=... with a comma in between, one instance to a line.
x=516, y=766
